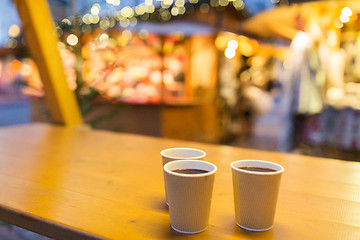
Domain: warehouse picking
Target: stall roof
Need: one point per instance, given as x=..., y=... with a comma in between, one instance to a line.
x=284, y=22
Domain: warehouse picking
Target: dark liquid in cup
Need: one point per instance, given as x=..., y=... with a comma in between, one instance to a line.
x=190, y=171
x=257, y=169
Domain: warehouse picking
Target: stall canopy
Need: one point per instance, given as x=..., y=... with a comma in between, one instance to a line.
x=285, y=21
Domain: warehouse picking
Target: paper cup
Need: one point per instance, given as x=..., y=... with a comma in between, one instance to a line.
x=189, y=195
x=255, y=194
x=172, y=154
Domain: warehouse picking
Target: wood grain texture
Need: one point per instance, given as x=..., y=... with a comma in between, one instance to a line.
x=78, y=183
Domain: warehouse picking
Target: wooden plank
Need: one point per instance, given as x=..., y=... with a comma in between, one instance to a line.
x=42, y=42
x=71, y=183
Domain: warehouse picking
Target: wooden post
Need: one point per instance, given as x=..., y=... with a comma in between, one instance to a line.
x=41, y=40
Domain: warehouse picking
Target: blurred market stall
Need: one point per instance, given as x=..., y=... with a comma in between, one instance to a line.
x=277, y=75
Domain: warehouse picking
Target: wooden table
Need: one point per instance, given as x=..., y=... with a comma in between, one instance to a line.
x=77, y=183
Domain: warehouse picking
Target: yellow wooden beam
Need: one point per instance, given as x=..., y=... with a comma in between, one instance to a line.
x=42, y=42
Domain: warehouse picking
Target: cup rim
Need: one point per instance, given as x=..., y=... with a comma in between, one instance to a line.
x=279, y=169
x=202, y=155
x=211, y=172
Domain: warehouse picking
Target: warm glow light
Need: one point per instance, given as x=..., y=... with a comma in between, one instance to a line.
x=155, y=77
x=168, y=2
x=26, y=69
x=104, y=24
x=133, y=21
x=12, y=43
x=165, y=15
x=150, y=9
x=182, y=10
x=174, y=11
x=72, y=39
x=204, y=8
x=94, y=18
x=239, y=4
x=14, y=30
x=124, y=22
x=127, y=12
x=95, y=9
x=67, y=21
x=148, y=2
x=230, y=53
x=335, y=93
x=116, y=2
x=338, y=23
x=103, y=37
x=179, y=3
x=126, y=34
x=214, y=3
x=193, y=1
x=86, y=28
x=346, y=11
x=86, y=19
x=233, y=44
x=223, y=3
x=140, y=9
x=344, y=18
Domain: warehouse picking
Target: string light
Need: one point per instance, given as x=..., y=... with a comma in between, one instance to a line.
x=103, y=37
x=104, y=24
x=204, y=8
x=174, y=11
x=72, y=39
x=223, y=3
x=150, y=9
x=133, y=21
x=140, y=9
x=179, y=3
x=214, y=3
x=233, y=44
x=14, y=30
x=344, y=18
x=12, y=43
x=346, y=11
x=239, y=4
x=94, y=19
x=338, y=23
x=127, y=12
x=345, y=15
x=165, y=15
x=95, y=9
x=127, y=35
x=182, y=10
x=66, y=21
x=230, y=53
x=124, y=22
x=86, y=18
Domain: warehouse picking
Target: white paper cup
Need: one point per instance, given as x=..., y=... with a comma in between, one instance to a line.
x=255, y=194
x=189, y=195
x=172, y=154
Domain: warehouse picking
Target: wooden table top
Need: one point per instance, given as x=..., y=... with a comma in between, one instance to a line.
x=78, y=183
